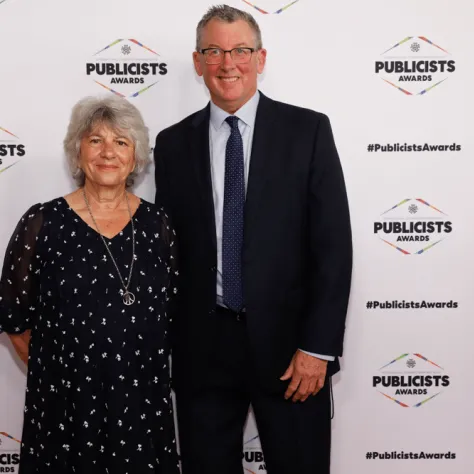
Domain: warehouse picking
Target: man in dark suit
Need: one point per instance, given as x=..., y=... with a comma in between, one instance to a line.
x=257, y=197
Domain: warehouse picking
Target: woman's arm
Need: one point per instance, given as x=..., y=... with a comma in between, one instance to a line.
x=19, y=283
x=21, y=343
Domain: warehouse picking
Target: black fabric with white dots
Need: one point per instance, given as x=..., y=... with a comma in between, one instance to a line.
x=98, y=393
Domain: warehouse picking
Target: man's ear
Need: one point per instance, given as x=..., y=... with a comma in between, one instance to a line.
x=261, y=60
x=197, y=63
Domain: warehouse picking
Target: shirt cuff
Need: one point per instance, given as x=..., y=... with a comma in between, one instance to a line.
x=319, y=356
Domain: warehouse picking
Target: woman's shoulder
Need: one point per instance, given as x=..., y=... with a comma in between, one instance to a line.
x=41, y=209
x=36, y=217
x=56, y=206
x=154, y=215
x=152, y=209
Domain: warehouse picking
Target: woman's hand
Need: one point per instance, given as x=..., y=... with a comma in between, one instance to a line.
x=21, y=343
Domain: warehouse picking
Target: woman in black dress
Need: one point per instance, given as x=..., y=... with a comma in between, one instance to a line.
x=84, y=295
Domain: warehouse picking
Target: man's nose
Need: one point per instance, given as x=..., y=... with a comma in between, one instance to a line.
x=227, y=61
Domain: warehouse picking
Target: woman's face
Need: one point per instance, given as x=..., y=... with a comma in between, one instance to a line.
x=106, y=156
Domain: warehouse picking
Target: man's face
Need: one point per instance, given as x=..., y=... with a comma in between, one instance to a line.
x=231, y=85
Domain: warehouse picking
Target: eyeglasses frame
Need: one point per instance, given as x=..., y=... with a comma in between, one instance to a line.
x=252, y=50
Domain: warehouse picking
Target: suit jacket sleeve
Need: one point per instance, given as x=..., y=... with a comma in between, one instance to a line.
x=330, y=249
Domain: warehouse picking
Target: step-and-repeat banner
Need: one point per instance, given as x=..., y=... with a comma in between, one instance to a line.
x=395, y=79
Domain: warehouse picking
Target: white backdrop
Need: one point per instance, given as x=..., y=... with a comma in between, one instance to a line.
x=403, y=397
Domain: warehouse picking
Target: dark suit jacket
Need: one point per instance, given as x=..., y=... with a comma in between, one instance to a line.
x=297, y=254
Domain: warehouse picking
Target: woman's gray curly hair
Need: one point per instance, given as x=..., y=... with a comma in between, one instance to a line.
x=115, y=112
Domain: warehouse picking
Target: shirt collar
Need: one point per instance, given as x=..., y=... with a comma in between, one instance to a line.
x=247, y=113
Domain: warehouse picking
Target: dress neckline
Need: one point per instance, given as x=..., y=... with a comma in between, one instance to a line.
x=120, y=232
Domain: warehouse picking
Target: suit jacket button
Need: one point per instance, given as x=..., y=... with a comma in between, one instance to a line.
x=212, y=311
x=213, y=268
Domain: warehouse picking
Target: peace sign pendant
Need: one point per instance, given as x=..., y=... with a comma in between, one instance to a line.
x=128, y=298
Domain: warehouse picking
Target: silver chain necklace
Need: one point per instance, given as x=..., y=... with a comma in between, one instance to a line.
x=128, y=296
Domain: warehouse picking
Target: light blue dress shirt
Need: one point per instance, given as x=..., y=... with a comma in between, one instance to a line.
x=219, y=132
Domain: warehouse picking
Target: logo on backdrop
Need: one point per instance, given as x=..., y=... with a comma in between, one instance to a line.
x=268, y=6
x=127, y=68
x=411, y=380
x=413, y=226
x=11, y=149
x=253, y=455
x=415, y=65
x=9, y=453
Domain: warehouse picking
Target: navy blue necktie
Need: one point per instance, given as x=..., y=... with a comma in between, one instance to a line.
x=233, y=218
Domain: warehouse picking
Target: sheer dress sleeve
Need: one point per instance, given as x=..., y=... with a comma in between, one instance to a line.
x=19, y=283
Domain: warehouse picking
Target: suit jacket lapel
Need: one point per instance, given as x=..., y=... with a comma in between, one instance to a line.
x=263, y=150
x=199, y=153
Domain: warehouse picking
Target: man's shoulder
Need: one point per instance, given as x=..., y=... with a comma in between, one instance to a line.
x=299, y=113
x=294, y=113
x=177, y=129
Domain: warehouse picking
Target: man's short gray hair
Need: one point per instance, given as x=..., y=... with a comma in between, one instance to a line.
x=228, y=15
x=115, y=112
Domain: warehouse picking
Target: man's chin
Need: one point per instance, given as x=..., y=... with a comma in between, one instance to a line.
x=224, y=100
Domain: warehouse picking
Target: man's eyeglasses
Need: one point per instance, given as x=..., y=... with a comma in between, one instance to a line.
x=238, y=55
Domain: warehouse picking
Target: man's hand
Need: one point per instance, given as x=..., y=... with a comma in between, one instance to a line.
x=21, y=343
x=307, y=375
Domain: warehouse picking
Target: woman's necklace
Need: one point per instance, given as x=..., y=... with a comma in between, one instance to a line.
x=128, y=296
